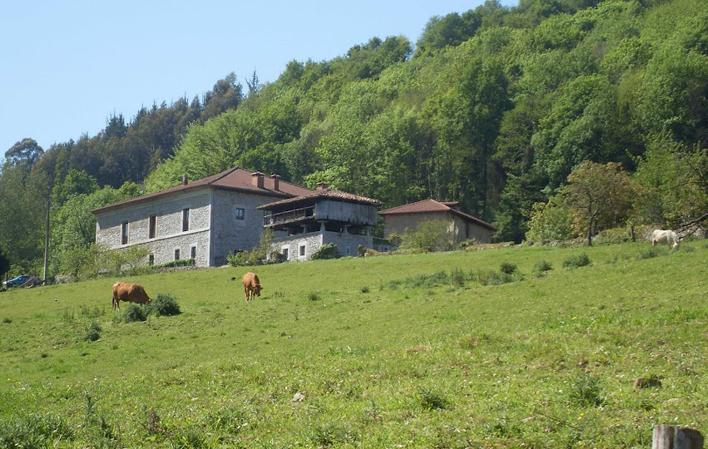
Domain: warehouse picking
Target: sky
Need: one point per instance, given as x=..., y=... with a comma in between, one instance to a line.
x=66, y=66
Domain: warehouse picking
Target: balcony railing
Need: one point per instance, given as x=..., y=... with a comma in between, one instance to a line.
x=289, y=216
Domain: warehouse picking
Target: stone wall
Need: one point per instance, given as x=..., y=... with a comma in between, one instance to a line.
x=347, y=244
x=168, y=229
x=230, y=234
x=459, y=229
x=311, y=240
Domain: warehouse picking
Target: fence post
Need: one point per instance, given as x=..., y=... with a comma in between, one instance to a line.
x=670, y=437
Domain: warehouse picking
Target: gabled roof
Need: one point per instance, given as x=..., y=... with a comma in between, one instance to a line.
x=431, y=205
x=231, y=179
x=325, y=193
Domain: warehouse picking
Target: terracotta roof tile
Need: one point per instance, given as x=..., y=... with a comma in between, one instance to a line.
x=431, y=205
x=324, y=193
x=231, y=179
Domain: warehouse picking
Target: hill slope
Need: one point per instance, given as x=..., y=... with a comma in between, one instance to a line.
x=382, y=355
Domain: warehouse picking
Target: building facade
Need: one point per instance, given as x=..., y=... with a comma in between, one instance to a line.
x=204, y=220
x=301, y=225
x=461, y=226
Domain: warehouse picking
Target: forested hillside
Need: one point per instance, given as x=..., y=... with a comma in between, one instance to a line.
x=493, y=107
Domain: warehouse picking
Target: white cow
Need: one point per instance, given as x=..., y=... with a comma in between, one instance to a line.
x=665, y=236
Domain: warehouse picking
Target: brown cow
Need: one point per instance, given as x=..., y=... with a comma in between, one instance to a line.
x=125, y=291
x=251, y=285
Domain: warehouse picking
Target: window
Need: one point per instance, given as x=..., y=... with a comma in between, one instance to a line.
x=302, y=250
x=151, y=259
x=153, y=222
x=176, y=253
x=124, y=233
x=193, y=252
x=185, y=220
x=285, y=253
x=240, y=213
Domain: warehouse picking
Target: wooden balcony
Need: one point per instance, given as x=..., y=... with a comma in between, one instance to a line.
x=290, y=216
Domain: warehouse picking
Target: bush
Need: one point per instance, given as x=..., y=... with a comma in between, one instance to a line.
x=457, y=277
x=245, y=258
x=177, y=263
x=365, y=289
x=134, y=312
x=612, y=235
x=652, y=251
x=491, y=277
x=33, y=432
x=326, y=251
x=93, y=332
x=550, y=221
x=326, y=435
x=508, y=268
x=579, y=260
x=585, y=391
x=433, y=235
x=313, y=296
x=541, y=267
x=432, y=401
x=164, y=305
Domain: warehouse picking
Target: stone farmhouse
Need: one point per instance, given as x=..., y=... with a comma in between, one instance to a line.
x=462, y=226
x=202, y=220
x=301, y=225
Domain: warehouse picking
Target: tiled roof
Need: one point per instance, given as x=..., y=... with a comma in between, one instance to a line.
x=431, y=205
x=326, y=193
x=232, y=179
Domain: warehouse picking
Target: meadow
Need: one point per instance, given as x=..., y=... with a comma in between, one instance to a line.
x=436, y=350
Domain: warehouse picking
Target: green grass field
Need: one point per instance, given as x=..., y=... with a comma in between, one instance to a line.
x=370, y=353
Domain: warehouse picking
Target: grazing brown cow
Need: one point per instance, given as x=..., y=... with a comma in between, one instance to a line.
x=251, y=285
x=125, y=291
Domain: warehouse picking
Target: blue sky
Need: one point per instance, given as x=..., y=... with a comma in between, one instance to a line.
x=65, y=66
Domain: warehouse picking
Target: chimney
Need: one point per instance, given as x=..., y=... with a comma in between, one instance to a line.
x=184, y=180
x=322, y=186
x=257, y=179
x=276, y=181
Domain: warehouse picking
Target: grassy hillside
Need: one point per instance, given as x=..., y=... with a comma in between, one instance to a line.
x=382, y=355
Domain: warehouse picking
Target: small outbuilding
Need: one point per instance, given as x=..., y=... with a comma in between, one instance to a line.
x=301, y=225
x=462, y=226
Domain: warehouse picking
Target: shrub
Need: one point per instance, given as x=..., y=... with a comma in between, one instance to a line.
x=326, y=435
x=457, y=277
x=433, y=235
x=508, y=268
x=652, y=251
x=164, y=305
x=244, y=258
x=365, y=289
x=33, y=432
x=578, y=260
x=177, y=263
x=134, y=312
x=541, y=267
x=586, y=391
x=550, y=221
x=326, y=251
x=491, y=277
x=612, y=235
x=432, y=401
x=93, y=332
x=6, y=320
x=313, y=296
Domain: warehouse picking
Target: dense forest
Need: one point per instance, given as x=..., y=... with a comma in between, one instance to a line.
x=494, y=107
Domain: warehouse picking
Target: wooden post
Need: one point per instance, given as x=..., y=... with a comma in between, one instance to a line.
x=670, y=437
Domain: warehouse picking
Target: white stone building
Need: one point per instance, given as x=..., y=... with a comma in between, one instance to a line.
x=202, y=220
x=301, y=225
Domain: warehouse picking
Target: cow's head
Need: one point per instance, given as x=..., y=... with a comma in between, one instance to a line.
x=258, y=289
